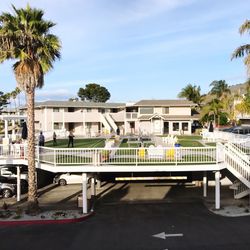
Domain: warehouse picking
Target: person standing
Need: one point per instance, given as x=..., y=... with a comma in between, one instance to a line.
x=71, y=139
x=41, y=139
x=54, y=139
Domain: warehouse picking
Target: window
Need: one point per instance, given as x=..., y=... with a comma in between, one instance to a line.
x=184, y=126
x=71, y=109
x=57, y=125
x=146, y=110
x=176, y=126
x=166, y=110
x=56, y=109
x=101, y=110
x=89, y=110
x=88, y=125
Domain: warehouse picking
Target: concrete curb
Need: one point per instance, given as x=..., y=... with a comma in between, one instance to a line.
x=44, y=221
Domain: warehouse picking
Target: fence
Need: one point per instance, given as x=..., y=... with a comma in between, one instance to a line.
x=117, y=156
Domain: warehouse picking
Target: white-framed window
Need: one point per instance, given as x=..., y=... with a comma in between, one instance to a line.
x=146, y=110
x=184, y=126
x=57, y=125
x=166, y=110
x=176, y=126
x=56, y=110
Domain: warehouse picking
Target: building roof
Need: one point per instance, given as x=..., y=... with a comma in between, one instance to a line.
x=169, y=117
x=164, y=103
x=77, y=104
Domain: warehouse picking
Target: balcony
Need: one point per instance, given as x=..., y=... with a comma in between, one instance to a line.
x=131, y=115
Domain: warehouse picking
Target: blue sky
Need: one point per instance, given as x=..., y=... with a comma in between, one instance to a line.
x=139, y=49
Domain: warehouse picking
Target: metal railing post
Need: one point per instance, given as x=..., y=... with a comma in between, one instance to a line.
x=54, y=157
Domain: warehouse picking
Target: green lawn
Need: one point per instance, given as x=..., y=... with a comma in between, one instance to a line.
x=211, y=144
x=189, y=137
x=190, y=143
x=78, y=143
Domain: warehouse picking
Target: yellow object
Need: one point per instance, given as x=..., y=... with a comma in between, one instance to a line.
x=170, y=153
x=141, y=153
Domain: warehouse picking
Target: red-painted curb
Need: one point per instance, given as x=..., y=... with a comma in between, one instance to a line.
x=44, y=222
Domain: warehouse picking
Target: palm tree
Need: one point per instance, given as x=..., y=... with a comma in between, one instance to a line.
x=25, y=37
x=219, y=88
x=14, y=95
x=243, y=50
x=214, y=107
x=192, y=93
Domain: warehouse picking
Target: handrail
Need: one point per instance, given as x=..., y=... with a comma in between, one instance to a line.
x=119, y=156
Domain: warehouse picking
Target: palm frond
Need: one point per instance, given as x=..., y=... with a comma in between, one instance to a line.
x=245, y=27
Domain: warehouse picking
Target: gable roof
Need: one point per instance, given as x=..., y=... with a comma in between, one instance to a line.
x=164, y=103
x=77, y=104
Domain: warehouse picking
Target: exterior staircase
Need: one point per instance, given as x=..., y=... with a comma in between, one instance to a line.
x=238, y=163
x=111, y=121
x=240, y=190
x=105, y=123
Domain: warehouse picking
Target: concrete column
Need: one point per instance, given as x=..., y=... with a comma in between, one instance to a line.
x=84, y=194
x=217, y=190
x=18, y=197
x=5, y=129
x=93, y=190
x=205, y=182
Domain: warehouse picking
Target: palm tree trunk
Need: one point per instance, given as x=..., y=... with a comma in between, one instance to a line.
x=32, y=191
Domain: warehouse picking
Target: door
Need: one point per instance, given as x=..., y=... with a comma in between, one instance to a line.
x=166, y=128
x=157, y=126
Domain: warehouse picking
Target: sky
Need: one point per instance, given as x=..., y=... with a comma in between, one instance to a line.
x=139, y=49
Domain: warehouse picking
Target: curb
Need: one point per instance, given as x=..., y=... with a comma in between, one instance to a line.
x=45, y=222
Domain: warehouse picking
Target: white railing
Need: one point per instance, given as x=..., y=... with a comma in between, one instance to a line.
x=244, y=147
x=119, y=156
x=220, y=136
x=13, y=151
x=238, y=163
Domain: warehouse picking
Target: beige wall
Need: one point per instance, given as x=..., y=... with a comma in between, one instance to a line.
x=179, y=111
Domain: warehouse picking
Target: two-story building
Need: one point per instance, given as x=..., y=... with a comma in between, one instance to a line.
x=92, y=119
x=161, y=117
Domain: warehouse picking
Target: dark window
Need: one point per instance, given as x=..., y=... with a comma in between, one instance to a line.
x=146, y=110
x=176, y=126
x=71, y=109
x=185, y=126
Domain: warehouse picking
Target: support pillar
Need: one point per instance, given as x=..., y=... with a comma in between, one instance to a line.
x=84, y=194
x=5, y=129
x=18, y=197
x=93, y=190
x=13, y=130
x=217, y=190
x=205, y=184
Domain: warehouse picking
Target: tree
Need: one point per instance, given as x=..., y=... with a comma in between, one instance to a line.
x=3, y=101
x=214, y=109
x=94, y=92
x=14, y=95
x=25, y=37
x=219, y=88
x=244, y=106
x=192, y=93
x=243, y=50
